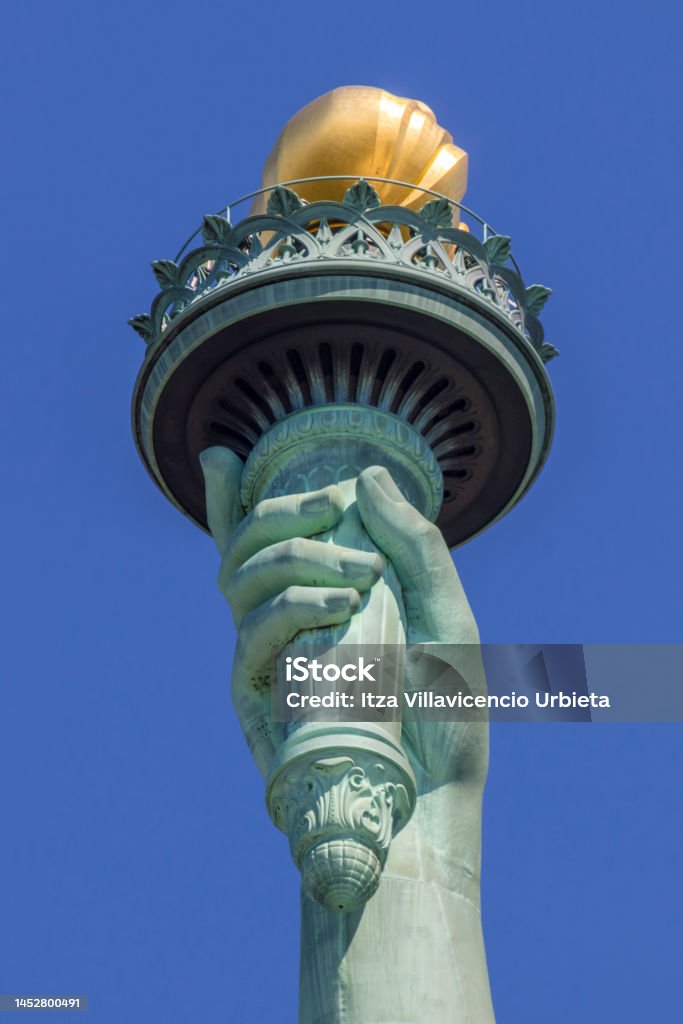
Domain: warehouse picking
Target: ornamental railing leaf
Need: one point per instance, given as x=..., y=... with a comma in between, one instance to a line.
x=142, y=323
x=536, y=297
x=535, y=334
x=216, y=230
x=497, y=250
x=361, y=196
x=282, y=202
x=548, y=352
x=437, y=213
x=166, y=273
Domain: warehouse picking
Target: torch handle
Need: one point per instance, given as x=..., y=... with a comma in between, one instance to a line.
x=340, y=785
x=380, y=621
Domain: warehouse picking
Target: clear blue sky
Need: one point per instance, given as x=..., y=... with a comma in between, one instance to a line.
x=136, y=860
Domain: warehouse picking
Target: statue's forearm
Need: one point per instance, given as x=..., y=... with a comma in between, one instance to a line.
x=415, y=953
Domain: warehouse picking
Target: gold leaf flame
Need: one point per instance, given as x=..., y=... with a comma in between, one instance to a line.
x=363, y=131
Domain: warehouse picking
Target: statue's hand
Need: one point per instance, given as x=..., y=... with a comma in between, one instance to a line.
x=279, y=581
x=442, y=634
x=435, y=602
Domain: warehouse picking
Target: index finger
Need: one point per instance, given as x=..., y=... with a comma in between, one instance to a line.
x=222, y=471
x=277, y=519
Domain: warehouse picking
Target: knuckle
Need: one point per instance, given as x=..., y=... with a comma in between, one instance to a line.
x=335, y=498
x=427, y=533
x=228, y=591
x=428, y=540
x=262, y=519
x=229, y=588
x=225, y=580
x=291, y=595
x=264, y=510
x=261, y=509
x=293, y=549
x=229, y=561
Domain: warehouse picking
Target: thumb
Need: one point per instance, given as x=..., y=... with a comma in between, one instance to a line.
x=435, y=600
x=222, y=471
x=412, y=543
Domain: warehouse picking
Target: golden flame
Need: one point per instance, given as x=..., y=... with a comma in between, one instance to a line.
x=362, y=131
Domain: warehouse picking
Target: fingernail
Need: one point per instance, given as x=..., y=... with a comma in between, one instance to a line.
x=343, y=601
x=215, y=460
x=383, y=477
x=207, y=459
x=319, y=503
x=373, y=564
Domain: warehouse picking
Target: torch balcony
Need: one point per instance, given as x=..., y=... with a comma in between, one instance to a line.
x=358, y=230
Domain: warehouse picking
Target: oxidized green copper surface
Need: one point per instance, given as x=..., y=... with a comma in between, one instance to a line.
x=322, y=384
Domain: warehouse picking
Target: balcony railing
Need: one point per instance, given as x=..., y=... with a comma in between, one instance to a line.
x=359, y=228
